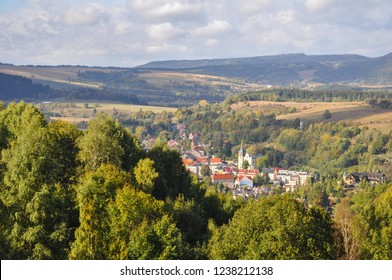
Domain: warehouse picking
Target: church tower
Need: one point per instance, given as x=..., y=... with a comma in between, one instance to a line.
x=241, y=154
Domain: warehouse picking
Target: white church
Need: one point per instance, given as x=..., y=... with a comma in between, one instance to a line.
x=243, y=157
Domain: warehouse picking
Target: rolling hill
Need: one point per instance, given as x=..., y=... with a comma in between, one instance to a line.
x=291, y=69
x=179, y=83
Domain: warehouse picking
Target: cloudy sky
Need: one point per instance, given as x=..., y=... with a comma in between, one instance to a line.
x=133, y=32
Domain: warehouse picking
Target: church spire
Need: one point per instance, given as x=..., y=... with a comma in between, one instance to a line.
x=241, y=156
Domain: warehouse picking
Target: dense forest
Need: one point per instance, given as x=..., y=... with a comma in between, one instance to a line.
x=16, y=88
x=96, y=194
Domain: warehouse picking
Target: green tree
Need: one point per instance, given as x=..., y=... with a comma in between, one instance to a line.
x=145, y=175
x=127, y=213
x=327, y=115
x=101, y=143
x=190, y=219
x=159, y=241
x=277, y=227
x=107, y=142
x=95, y=192
x=205, y=170
x=344, y=218
x=291, y=140
x=373, y=208
x=32, y=191
x=173, y=178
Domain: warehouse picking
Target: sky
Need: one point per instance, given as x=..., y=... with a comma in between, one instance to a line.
x=128, y=33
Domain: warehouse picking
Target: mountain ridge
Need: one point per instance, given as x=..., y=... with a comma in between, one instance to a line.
x=288, y=69
x=291, y=57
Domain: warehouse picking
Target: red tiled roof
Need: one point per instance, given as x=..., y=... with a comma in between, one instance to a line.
x=201, y=160
x=188, y=161
x=222, y=177
x=239, y=178
x=246, y=171
x=215, y=160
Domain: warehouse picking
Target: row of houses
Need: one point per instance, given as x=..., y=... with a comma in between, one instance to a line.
x=354, y=178
x=277, y=176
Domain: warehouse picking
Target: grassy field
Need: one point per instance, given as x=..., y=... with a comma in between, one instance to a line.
x=356, y=113
x=161, y=78
x=78, y=111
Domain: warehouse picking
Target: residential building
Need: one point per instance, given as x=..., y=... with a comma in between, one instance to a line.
x=225, y=179
x=248, y=172
x=244, y=181
x=355, y=178
x=192, y=166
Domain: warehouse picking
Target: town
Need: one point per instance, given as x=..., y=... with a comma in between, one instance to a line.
x=240, y=176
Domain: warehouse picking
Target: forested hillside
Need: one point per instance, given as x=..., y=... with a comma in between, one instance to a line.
x=16, y=88
x=96, y=194
x=290, y=69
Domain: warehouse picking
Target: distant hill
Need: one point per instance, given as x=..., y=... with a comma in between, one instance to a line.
x=178, y=83
x=290, y=69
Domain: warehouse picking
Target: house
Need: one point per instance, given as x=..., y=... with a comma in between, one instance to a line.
x=216, y=161
x=173, y=144
x=225, y=179
x=228, y=169
x=198, y=151
x=193, y=136
x=244, y=181
x=181, y=126
x=287, y=177
x=270, y=172
x=192, y=166
x=303, y=177
x=202, y=160
x=355, y=178
x=248, y=172
x=216, y=165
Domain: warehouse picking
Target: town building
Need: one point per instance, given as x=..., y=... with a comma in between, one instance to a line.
x=225, y=179
x=243, y=181
x=354, y=178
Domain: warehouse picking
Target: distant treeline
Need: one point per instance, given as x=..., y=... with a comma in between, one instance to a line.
x=325, y=95
x=89, y=93
x=15, y=88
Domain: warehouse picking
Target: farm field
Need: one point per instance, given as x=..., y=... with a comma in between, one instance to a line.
x=78, y=111
x=356, y=113
x=65, y=76
x=162, y=78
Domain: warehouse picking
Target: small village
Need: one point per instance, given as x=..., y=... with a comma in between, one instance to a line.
x=240, y=177
x=243, y=182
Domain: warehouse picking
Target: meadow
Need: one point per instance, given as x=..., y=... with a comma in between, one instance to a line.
x=355, y=113
x=83, y=110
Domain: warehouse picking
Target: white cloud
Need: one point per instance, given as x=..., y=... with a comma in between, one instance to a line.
x=88, y=15
x=256, y=6
x=160, y=10
x=164, y=31
x=319, y=5
x=129, y=32
x=213, y=28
